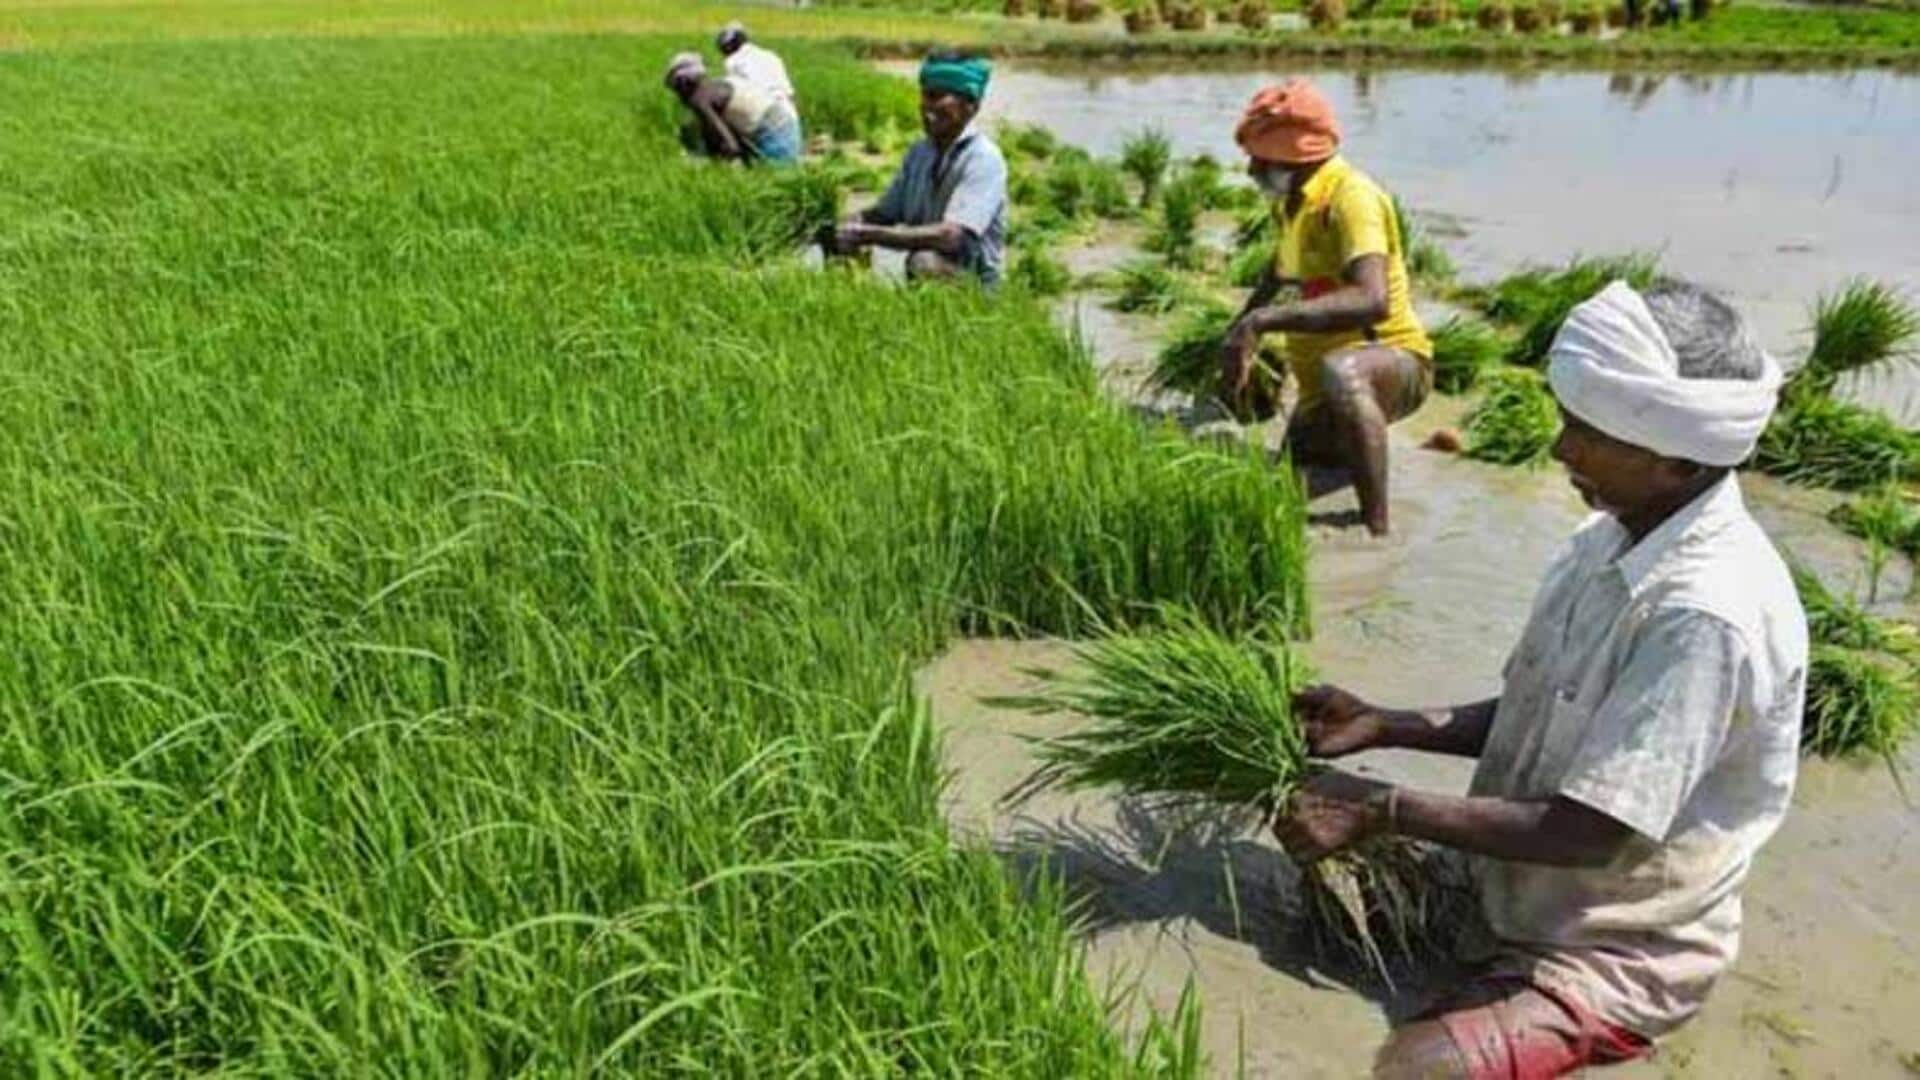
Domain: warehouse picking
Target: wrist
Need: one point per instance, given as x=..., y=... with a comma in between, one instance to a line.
x=1383, y=818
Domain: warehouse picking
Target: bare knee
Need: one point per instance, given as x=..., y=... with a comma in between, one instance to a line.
x=925, y=265
x=1344, y=384
x=1422, y=1050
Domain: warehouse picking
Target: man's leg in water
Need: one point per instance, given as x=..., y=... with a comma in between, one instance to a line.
x=1362, y=390
x=1503, y=1027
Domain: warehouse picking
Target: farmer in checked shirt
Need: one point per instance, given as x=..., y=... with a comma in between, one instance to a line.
x=947, y=207
x=1644, y=743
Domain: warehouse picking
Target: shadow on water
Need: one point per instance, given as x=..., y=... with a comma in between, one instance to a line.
x=1180, y=867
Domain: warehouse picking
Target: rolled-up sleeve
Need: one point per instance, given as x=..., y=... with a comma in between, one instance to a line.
x=1662, y=723
x=979, y=192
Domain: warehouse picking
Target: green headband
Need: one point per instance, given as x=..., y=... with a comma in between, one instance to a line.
x=966, y=76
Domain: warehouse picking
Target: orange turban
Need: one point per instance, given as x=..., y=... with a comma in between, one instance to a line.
x=1291, y=123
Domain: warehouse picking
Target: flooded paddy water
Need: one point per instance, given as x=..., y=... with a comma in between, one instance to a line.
x=1771, y=188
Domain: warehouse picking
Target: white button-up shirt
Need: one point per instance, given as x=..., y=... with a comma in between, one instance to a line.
x=1660, y=683
x=762, y=68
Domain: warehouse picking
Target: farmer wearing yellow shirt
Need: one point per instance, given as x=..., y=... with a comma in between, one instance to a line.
x=1353, y=341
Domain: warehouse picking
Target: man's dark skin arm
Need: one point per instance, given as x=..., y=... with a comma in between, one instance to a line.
x=709, y=103
x=1356, y=305
x=945, y=237
x=1336, y=810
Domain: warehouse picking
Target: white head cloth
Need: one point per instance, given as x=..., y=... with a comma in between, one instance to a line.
x=685, y=65
x=1612, y=366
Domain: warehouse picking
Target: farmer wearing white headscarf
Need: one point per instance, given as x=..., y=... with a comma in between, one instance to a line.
x=750, y=62
x=736, y=120
x=1644, y=742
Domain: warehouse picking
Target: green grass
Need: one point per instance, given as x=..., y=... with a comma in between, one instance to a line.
x=463, y=584
x=1516, y=420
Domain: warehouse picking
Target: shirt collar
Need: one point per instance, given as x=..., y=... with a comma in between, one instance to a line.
x=1710, y=512
x=1320, y=187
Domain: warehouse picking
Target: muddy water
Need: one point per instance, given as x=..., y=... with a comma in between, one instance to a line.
x=1769, y=187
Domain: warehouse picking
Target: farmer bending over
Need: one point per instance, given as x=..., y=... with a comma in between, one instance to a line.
x=1353, y=342
x=738, y=121
x=947, y=207
x=747, y=62
x=1643, y=747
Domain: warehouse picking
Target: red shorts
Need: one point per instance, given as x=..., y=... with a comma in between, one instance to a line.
x=1505, y=1027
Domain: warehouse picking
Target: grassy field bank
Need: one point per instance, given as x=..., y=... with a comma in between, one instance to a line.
x=463, y=588
x=1742, y=36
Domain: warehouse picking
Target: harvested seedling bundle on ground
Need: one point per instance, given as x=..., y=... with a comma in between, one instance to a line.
x=1816, y=438
x=1190, y=363
x=1538, y=300
x=1517, y=420
x=1863, y=689
x=1187, y=714
x=1464, y=350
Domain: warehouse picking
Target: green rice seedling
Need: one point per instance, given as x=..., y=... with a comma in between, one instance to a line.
x=1864, y=325
x=1185, y=714
x=1538, y=300
x=1464, y=350
x=1862, y=686
x=1147, y=286
x=1515, y=421
x=1208, y=178
x=1426, y=259
x=1250, y=263
x=1027, y=141
x=1077, y=186
x=1146, y=157
x=1858, y=704
x=1175, y=235
x=1817, y=440
x=1888, y=518
x=1036, y=271
x=1190, y=363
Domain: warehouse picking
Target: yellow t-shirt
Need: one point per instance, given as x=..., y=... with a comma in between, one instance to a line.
x=1344, y=215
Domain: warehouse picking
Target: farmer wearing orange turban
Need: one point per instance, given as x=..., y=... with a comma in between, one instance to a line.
x=1353, y=341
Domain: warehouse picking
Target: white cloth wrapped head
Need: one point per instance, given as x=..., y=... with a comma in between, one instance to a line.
x=730, y=36
x=686, y=65
x=1612, y=366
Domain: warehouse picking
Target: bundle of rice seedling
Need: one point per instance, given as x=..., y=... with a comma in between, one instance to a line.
x=1327, y=14
x=1491, y=16
x=1141, y=18
x=1464, y=349
x=1036, y=271
x=1013, y=9
x=1862, y=687
x=1527, y=18
x=800, y=202
x=1186, y=715
x=1814, y=439
x=1539, y=299
x=1252, y=15
x=1146, y=286
x=1208, y=179
x=1174, y=235
x=1190, y=363
x=1586, y=19
x=1146, y=157
x=1886, y=518
x=1250, y=262
x=1188, y=17
x=1864, y=325
x=1426, y=259
x=1516, y=422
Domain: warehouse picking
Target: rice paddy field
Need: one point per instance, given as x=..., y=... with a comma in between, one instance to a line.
x=464, y=580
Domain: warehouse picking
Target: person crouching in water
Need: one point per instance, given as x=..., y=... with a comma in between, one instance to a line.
x=738, y=120
x=1644, y=744
x=1353, y=342
x=947, y=207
